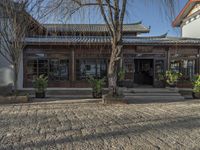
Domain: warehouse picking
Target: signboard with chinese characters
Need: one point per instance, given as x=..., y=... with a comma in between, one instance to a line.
x=144, y=49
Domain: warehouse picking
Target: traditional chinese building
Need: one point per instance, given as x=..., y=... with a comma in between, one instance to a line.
x=68, y=53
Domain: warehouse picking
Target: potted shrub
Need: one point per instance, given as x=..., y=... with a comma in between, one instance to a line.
x=97, y=86
x=196, y=87
x=121, y=77
x=172, y=77
x=161, y=80
x=40, y=85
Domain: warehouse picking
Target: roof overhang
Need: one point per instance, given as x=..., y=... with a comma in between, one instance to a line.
x=98, y=40
x=184, y=12
x=137, y=27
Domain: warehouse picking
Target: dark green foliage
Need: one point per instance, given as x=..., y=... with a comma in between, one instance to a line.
x=41, y=83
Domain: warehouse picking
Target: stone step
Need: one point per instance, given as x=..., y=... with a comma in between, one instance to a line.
x=66, y=96
x=140, y=95
x=152, y=94
x=146, y=99
x=61, y=92
x=151, y=90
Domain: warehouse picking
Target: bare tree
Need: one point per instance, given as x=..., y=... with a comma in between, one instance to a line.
x=13, y=29
x=113, y=13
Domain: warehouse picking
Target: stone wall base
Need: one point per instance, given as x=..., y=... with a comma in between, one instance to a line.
x=13, y=99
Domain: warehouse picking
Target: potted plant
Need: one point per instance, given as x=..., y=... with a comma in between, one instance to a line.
x=40, y=85
x=196, y=87
x=161, y=83
x=121, y=77
x=97, y=86
x=172, y=78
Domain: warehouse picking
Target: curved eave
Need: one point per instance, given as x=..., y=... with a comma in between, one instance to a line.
x=143, y=41
x=184, y=12
x=137, y=27
x=125, y=44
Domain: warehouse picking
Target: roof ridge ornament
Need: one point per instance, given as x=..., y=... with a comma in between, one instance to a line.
x=164, y=35
x=139, y=22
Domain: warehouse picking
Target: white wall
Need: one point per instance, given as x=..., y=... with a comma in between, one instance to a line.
x=6, y=73
x=6, y=69
x=192, y=29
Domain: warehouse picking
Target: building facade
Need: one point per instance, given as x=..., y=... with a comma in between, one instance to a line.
x=68, y=53
x=189, y=19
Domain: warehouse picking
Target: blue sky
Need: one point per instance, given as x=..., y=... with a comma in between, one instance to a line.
x=151, y=16
x=138, y=10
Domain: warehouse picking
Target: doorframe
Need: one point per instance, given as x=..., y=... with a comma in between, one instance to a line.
x=145, y=58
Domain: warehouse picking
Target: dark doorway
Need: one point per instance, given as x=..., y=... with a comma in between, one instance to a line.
x=144, y=71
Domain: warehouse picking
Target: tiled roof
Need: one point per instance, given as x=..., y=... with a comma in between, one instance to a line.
x=106, y=40
x=162, y=41
x=185, y=11
x=135, y=27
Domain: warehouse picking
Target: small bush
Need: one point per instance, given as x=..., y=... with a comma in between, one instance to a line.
x=40, y=83
x=196, y=84
x=97, y=85
x=172, y=77
x=121, y=74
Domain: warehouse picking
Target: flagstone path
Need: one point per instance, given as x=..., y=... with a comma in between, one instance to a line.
x=94, y=126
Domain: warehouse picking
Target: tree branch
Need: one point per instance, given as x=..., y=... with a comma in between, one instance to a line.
x=122, y=14
x=110, y=13
x=91, y=4
x=105, y=18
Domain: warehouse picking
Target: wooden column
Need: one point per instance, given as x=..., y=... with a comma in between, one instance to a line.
x=168, y=58
x=73, y=65
x=198, y=61
x=121, y=61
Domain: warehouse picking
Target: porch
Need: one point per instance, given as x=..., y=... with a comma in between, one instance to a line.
x=67, y=65
x=132, y=95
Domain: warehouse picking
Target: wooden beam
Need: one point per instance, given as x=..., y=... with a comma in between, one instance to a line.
x=73, y=65
x=168, y=58
x=198, y=61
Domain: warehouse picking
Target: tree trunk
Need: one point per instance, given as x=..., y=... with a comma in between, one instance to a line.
x=112, y=69
x=15, y=71
x=112, y=77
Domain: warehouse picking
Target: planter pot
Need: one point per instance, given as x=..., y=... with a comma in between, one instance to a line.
x=120, y=83
x=172, y=85
x=40, y=94
x=195, y=95
x=160, y=84
x=96, y=94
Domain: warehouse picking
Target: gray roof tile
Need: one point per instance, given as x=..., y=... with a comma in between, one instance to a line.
x=135, y=27
x=106, y=40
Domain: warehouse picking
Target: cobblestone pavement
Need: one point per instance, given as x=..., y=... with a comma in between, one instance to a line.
x=96, y=126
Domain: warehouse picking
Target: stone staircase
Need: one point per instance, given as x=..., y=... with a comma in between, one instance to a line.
x=144, y=95
x=132, y=95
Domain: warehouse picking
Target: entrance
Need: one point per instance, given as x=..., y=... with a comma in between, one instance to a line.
x=144, y=71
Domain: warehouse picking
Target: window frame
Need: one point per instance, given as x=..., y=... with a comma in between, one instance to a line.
x=97, y=61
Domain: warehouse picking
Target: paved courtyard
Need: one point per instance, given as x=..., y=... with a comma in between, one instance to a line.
x=60, y=125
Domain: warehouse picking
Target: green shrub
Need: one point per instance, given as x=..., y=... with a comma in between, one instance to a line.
x=121, y=74
x=96, y=84
x=40, y=83
x=161, y=77
x=196, y=84
x=172, y=77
